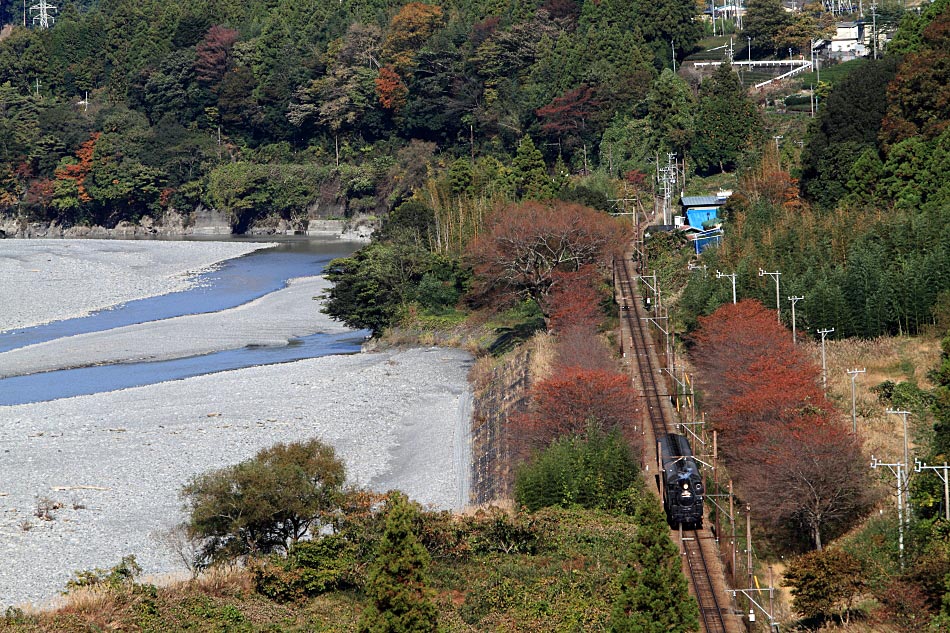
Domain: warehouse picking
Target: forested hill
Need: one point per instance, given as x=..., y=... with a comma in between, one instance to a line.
x=128, y=107
x=308, y=109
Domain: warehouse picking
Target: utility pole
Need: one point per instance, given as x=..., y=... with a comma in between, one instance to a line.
x=655, y=287
x=897, y=469
x=671, y=169
x=732, y=276
x=874, y=26
x=778, y=157
x=732, y=522
x=673, y=48
x=919, y=466
x=854, y=420
x=904, y=415
x=778, y=303
x=794, y=300
x=748, y=543
x=824, y=370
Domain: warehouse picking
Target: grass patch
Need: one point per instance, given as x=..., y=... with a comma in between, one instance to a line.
x=886, y=358
x=829, y=74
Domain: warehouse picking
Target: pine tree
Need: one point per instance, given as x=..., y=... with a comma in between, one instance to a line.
x=401, y=601
x=530, y=172
x=654, y=595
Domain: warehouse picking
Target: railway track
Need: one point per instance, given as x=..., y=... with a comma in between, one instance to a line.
x=659, y=419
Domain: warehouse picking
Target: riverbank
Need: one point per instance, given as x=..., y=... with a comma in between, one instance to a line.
x=201, y=222
x=114, y=462
x=50, y=280
x=108, y=467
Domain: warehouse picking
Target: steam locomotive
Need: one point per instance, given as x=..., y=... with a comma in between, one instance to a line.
x=681, y=483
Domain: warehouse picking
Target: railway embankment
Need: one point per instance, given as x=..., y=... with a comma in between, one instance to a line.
x=500, y=394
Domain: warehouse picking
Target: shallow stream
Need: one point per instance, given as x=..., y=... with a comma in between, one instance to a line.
x=234, y=283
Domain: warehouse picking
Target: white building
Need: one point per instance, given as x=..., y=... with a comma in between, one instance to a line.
x=849, y=40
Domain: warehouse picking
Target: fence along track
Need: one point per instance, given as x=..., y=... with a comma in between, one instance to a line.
x=710, y=610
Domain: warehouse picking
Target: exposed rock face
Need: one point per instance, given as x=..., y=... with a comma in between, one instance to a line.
x=206, y=221
x=202, y=221
x=171, y=223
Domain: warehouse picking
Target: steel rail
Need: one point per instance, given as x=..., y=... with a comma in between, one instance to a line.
x=709, y=607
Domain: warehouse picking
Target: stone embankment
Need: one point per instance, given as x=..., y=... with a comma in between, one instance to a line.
x=500, y=394
x=201, y=222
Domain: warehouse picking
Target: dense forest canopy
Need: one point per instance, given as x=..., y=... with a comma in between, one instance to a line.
x=316, y=109
x=124, y=108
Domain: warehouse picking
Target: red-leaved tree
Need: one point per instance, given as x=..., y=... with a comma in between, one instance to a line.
x=213, y=53
x=574, y=301
x=78, y=171
x=390, y=89
x=570, y=114
x=573, y=401
x=525, y=245
x=807, y=480
x=791, y=456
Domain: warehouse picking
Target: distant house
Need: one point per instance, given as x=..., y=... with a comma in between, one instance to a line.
x=849, y=40
x=701, y=220
x=702, y=211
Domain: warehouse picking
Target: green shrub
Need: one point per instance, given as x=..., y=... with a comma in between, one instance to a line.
x=122, y=575
x=264, y=504
x=591, y=472
x=309, y=569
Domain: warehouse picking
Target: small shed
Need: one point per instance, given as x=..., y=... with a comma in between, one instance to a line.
x=700, y=211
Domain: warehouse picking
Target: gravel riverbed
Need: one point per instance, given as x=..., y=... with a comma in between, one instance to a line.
x=115, y=461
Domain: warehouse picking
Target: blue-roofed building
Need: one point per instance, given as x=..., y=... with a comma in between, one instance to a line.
x=702, y=212
x=700, y=219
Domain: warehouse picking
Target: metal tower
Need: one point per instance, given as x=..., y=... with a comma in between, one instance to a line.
x=43, y=16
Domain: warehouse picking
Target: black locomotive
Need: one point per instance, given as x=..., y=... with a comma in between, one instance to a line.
x=681, y=482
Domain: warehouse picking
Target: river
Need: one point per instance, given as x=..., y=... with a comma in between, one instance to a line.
x=235, y=283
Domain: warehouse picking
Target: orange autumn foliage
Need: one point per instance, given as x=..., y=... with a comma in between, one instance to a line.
x=78, y=171
x=574, y=301
x=572, y=401
x=409, y=30
x=390, y=89
x=791, y=456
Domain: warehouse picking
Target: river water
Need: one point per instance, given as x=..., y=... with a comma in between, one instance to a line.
x=234, y=283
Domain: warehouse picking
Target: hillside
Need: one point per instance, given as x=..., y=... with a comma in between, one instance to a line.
x=487, y=140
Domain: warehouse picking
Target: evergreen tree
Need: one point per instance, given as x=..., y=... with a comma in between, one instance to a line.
x=401, y=601
x=671, y=113
x=764, y=21
x=941, y=405
x=728, y=124
x=530, y=173
x=669, y=25
x=654, y=596
x=847, y=126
